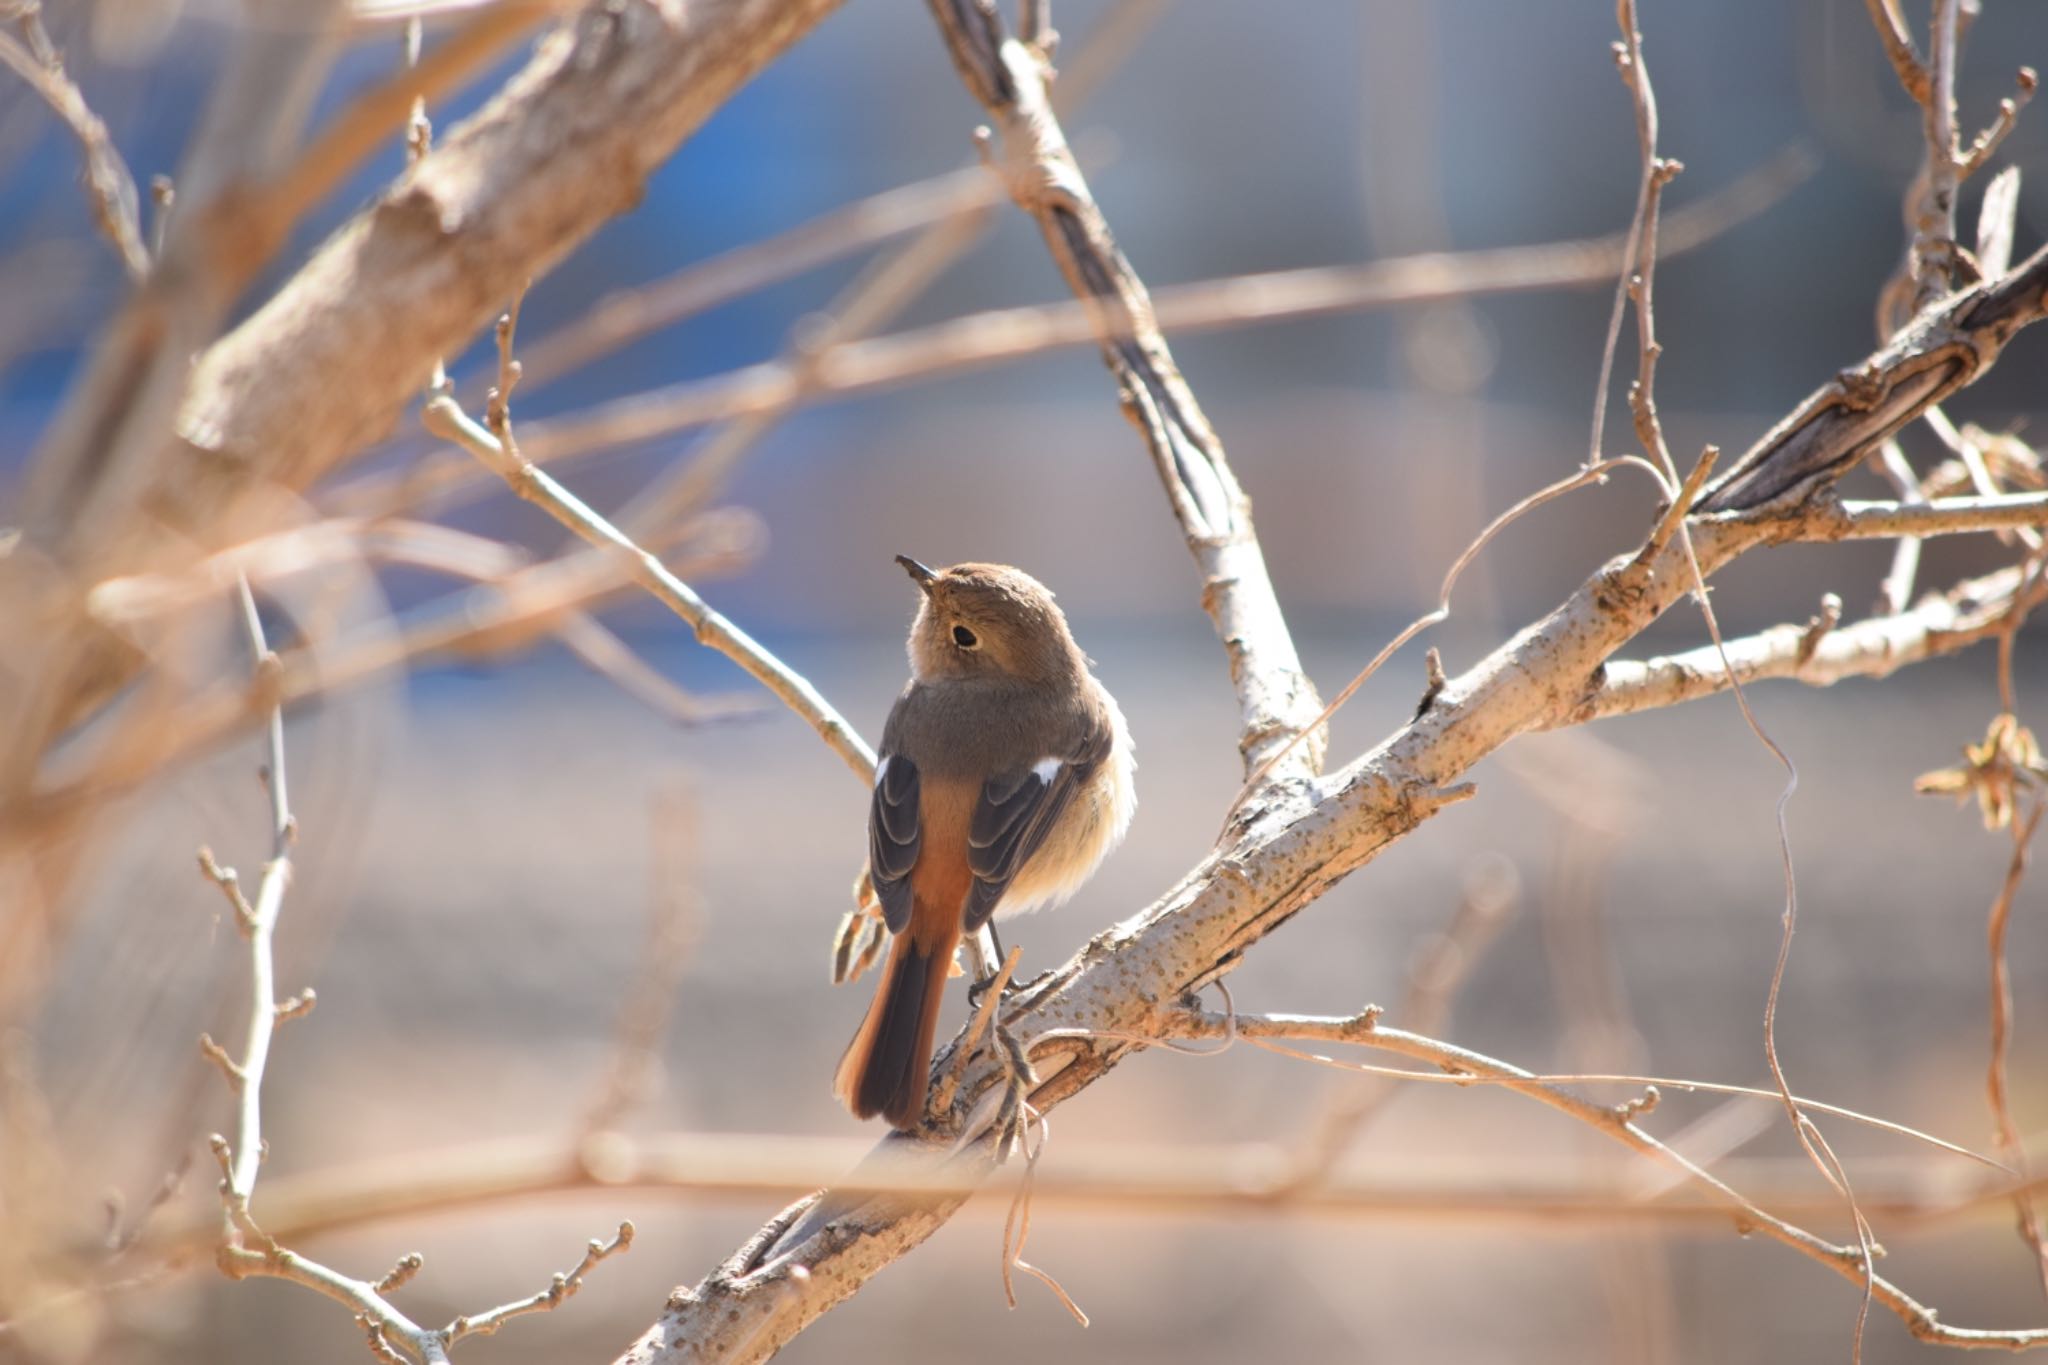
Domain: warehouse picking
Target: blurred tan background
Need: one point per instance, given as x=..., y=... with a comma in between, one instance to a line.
x=483, y=848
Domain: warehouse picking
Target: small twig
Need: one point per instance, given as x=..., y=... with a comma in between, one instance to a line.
x=1987, y=142
x=379, y=1343
x=1896, y=593
x=1656, y=171
x=1973, y=610
x=1825, y=519
x=230, y=885
x=1680, y=506
x=2010, y=1144
x=1571, y=483
x=1019, y=1220
x=1433, y=678
x=1998, y=222
x=1933, y=249
x=1003, y=335
x=163, y=197
x=114, y=203
x=402, y=1273
x=1434, y=976
x=1616, y=1121
x=445, y=418
x=215, y=1053
x=558, y=1292
x=1898, y=47
x=259, y=927
x=121, y=1240
x=244, y=1248
x=1817, y=627
x=1968, y=446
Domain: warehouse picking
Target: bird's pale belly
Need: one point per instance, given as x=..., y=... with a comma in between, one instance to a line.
x=1087, y=830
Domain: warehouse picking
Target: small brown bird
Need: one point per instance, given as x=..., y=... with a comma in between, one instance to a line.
x=1005, y=777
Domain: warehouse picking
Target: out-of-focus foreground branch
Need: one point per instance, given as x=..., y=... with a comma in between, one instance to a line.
x=331, y=360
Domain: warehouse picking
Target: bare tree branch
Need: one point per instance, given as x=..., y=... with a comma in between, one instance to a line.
x=245, y=1248
x=115, y=206
x=1945, y=349
x=1005, y=334
x=1818, y=653
x=446, y=419
x=329, y=364
x=1618, y=1121
x=1009, y=77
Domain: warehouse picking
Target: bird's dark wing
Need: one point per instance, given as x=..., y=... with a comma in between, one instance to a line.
x=1016, y=811
x=893, y=838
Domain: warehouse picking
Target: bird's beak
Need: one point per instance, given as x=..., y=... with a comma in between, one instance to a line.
x=924, y=576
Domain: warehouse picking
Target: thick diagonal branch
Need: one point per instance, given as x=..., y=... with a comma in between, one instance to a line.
x=1945, y=349
x=330, y=362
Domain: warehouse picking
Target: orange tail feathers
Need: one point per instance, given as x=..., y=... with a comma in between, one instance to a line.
x=889, y=1060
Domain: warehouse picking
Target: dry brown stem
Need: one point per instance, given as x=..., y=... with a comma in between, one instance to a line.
x=1007, y=334
x=445, y=417
x=115, y=207
x=1618, y=1122
x=2010, y=1144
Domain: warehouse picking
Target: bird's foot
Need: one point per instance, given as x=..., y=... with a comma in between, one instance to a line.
x=1013, y=1118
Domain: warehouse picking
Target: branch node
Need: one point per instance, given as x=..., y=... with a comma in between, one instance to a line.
x=230, y=886
x=401, y=1274
x=1440, y=797
x=2026, y=82
x=380, y=1345
x=218, y=1055
x=1817, y=627
x=297, y=1006
x=1629, y=1110
x=222, y=1154
x=1434, y=681
x=1681, y=504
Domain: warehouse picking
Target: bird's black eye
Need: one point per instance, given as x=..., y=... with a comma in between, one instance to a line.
x=964, y=637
